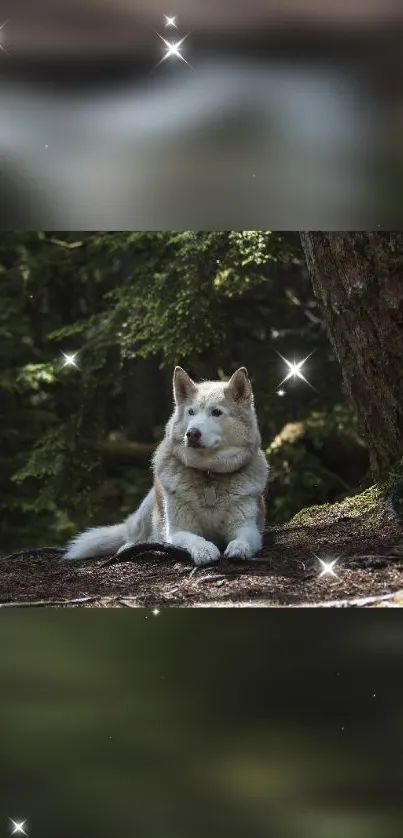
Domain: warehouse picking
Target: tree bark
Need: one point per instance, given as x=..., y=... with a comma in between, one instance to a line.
x=358, y=280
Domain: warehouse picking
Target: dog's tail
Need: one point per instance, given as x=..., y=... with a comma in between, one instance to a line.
x=102, y=541
x=98, y=541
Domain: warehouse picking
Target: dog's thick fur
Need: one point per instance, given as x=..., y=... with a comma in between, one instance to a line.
x=209, y=478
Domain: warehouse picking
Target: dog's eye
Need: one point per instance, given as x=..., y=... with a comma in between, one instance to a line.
x=191, y=411
x=216, y=412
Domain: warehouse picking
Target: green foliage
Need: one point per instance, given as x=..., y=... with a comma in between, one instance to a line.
x=173, y=294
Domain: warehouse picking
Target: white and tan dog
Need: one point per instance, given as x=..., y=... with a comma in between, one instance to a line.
x=210, y=474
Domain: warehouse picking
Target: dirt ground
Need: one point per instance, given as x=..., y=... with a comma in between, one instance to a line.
x=368, y=548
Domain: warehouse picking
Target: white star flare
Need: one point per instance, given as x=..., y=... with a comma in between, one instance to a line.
x=173, y=49
x=170, y=21
x=327, y=567
x=69, y=359
x=156, y=611
x=294, y=369
x=18, y=827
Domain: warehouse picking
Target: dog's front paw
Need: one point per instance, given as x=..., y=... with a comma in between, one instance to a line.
x=238, y=549
x=205, y=554
x=202, y=551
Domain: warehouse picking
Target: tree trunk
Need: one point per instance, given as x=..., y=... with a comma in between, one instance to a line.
x=358, y=280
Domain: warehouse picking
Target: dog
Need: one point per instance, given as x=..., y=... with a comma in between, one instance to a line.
x=210, y=475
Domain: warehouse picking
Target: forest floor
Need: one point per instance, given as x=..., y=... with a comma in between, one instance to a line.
x=368, y=548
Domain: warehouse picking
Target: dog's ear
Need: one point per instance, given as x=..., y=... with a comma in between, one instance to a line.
x=239, y=385
x=184, y=387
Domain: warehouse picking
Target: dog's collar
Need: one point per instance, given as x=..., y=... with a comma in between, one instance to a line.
x=209, y=474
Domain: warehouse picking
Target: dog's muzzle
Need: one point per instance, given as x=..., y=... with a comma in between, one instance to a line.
x=193, y=438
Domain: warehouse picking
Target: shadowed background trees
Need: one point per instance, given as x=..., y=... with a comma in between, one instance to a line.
x=77, y=439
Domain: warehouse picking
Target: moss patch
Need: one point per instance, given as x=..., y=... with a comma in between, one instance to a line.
x=350, y=507
x=375, y=499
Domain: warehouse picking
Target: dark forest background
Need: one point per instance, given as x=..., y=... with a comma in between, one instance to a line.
x=76, y=440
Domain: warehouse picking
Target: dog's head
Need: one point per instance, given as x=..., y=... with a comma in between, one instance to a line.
x=214, y=424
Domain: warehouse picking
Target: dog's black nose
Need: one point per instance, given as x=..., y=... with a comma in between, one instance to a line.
x=193, y=435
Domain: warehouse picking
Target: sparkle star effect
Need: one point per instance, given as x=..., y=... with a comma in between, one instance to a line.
x=18, y=827
x=294, y=370
x=170, y=21
x=69, y=359
x=173, y=50
x=327, y=567
x=156, y=611
x=2, y=27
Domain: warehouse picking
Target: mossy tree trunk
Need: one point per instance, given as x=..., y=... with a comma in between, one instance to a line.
x=358, y=280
